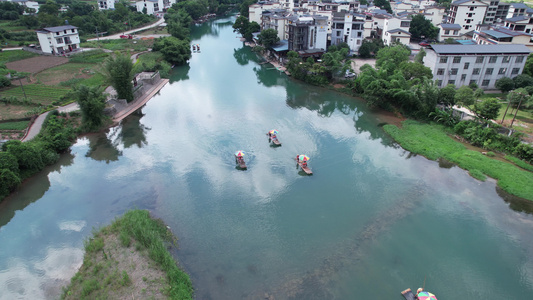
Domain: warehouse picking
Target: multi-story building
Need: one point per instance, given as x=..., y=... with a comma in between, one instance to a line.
x=498, y=35
x=59, y=40
x=106, y=4
x=481, y=64
x=396, y=30
x=348, y=28
x=467, y=13
x=448, y=31
x=520, y=23
x=307, y=34
x=153, y=6
x=276, y=19
x=516, y=10
x=29, y=4
x=435, y=14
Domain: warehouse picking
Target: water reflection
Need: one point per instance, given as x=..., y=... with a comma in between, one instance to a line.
x=101, y=148
x=210, y=28
x=132, y=132
x=516, y=203
x=242, y=55
x=31, y=190
x=180, y=73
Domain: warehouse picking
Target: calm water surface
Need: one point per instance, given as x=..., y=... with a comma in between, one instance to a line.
x=372, y=220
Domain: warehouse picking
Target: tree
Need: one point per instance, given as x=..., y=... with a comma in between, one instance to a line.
x=447, y=95
x=241, y=25
x=465, y=96
x=422, y=27
x=384, y=4
x=268, y=37
x=8, y=182
x=92, y=104
x=412, y=71
x=174, y=50
x=518, y=95
x=419, y=58
x=487, y=109
x=504, y=84
x=244, y=8
x=522, y=81
x=118, y=70
x=391, y=57
x=27, y=154
x=195, y=9
x=8, y=161
x=528, y=68
x=370, y=48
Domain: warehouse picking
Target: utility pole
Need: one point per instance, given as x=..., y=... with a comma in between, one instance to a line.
x=521, y=98
x=97, y=35
x=505, y=111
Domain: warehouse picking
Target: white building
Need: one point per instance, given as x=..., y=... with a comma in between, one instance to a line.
x=396, y=30
x=28, y=4
x=516, y=10
x=435, y=14
x=308, y=34
x=153, y=6
x=106, y=4
x=498, y=35
x=448, y=31
x=467, y=13
x=481, y=64
x=520, y=23
x=59, y=40
x=348, y=28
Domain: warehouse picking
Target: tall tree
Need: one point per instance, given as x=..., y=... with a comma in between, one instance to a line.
x=419, y=58
x=528, y=68
x=118, y=70
x=268, y=37
x=422, y=27
x=447, y=95
x=92, y=104
x=487, y=109
x=465, y=96
x=504, y=84
x=174, y=50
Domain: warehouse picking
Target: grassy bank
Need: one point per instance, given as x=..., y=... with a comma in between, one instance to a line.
x=129, y=260
x=432, y=142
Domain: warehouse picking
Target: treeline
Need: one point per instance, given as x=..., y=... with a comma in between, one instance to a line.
x=19, y=160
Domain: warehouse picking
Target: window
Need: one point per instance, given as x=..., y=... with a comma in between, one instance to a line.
x=453, y=71
x=493, y=59
x=515, y=71
x=439, y=82
x=467, y=65
x=356, y=26
x=479, y=60
x=443, y=60
x=485, y=83
x=502, y=71
x=440, y=72
x=463, y=77
x=519, y=59
x=73, y=30
x=506, y=59
x=475, y=71
x=359, y=34
x=451, y=82
x=358, y=42
x=405, y=24
x=59, y=40
x=489, y=71
x=455, y=32
x=456, y=59
x=446, y=32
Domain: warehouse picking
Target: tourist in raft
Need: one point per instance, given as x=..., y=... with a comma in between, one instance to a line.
x=420, y=290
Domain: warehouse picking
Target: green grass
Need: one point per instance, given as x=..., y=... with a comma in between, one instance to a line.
x=19, y=125
x=93, y=57
x=432, y=142
x=14, y=55
x=120, y=44
x=41, y=93
x=100, y=277
x=522, y=164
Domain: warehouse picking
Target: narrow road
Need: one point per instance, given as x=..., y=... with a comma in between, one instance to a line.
x=38, y=124
x=117, y=36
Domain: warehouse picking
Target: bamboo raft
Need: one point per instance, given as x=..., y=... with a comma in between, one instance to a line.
x=241, y=163
x=274, y=140
x=408, y=294
x=305, y=169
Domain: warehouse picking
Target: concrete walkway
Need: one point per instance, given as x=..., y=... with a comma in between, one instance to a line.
x=117, y=36
x=147, y=95
x=35, y=128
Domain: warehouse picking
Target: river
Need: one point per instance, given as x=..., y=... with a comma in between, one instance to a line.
x=370, y=222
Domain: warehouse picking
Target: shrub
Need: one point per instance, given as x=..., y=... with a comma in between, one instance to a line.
x=524, y=152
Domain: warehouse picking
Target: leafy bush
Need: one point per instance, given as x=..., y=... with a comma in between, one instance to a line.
x=524, y=152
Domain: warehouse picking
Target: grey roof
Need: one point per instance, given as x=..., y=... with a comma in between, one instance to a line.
x=496, y=34
x=516, y=19
x=59, y=28
x=519, y=5
x=450, y=26
x=398, y=30
x=460, y=2
x=283, y=45
x=480, y=49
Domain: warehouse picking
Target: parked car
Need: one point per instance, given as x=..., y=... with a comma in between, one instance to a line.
x=126, y=36
x=349, y=74
x=424, y=44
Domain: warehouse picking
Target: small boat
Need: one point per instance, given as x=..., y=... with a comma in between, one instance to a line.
x=273, y=139
x=240, y=161
x=408, y=294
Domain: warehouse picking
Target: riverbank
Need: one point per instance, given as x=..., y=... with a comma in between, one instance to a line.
x=432, y=142
x=129, y=260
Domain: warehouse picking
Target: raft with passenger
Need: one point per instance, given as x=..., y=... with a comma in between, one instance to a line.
x=302, y=160
x=239, y=160
x=273, y=137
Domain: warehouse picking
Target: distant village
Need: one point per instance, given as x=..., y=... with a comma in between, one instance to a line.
x=491, y=39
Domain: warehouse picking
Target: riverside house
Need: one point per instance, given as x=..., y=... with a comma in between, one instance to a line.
x=59, y=40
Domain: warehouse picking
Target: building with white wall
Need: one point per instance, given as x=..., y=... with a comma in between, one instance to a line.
x=520, y=23
x=59, y=40
x=396, y=30
x=106, y=4
x=447, y=31
x=307, y=34
x=348, y=28
x=153, y=6
x=481, y=64
x=467, y=13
